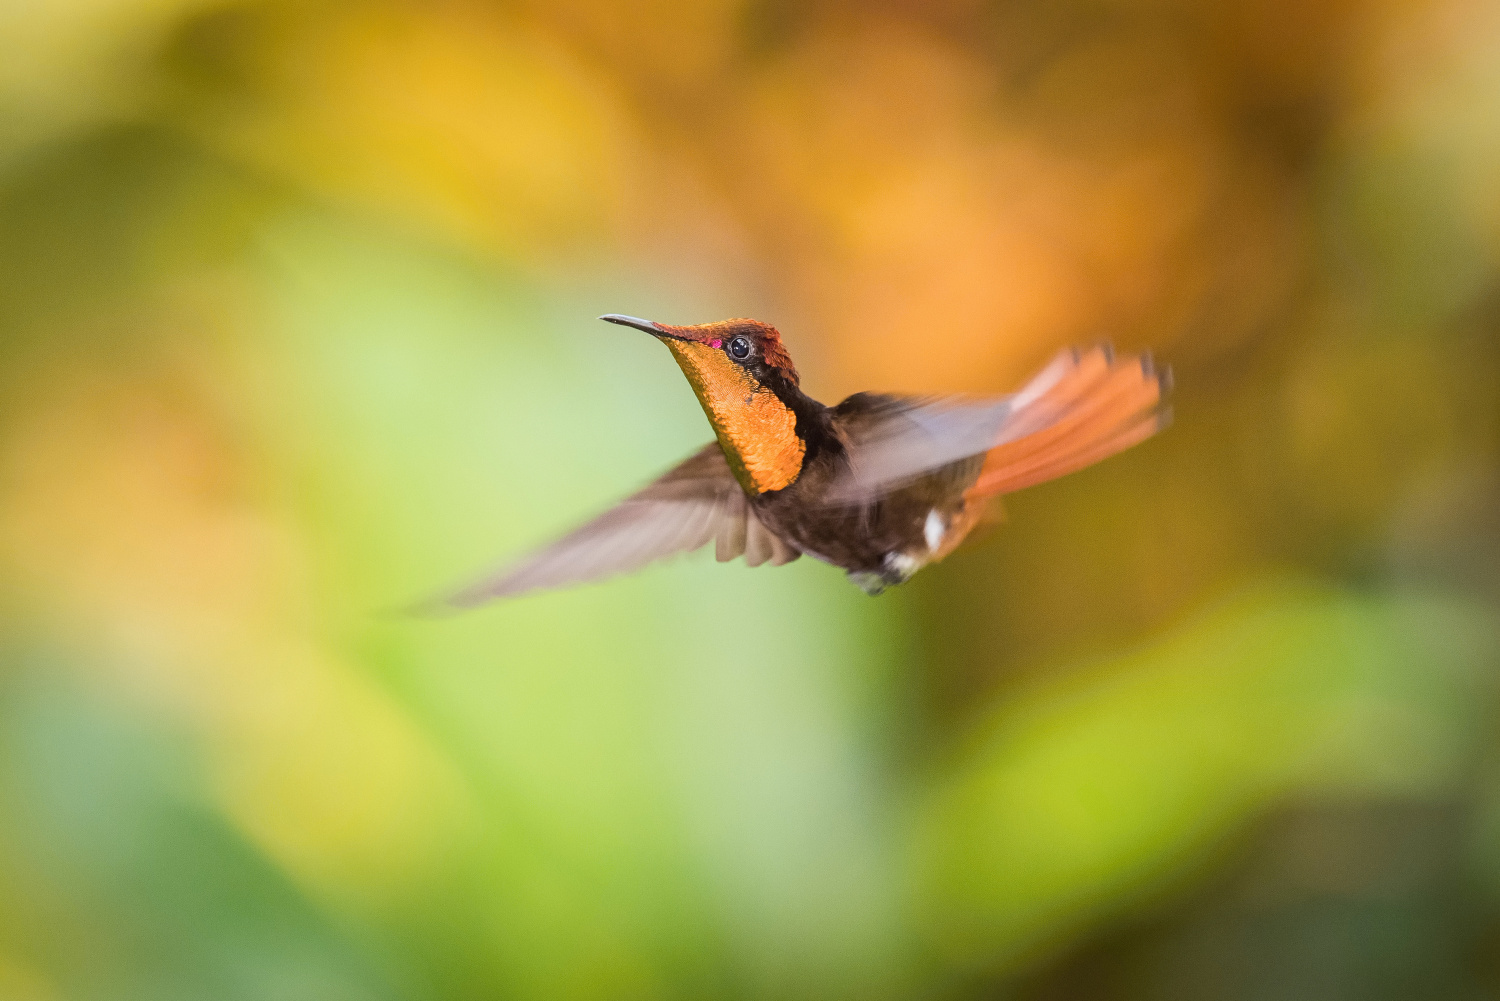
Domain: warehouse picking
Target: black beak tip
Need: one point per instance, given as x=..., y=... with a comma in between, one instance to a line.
x=631, y=321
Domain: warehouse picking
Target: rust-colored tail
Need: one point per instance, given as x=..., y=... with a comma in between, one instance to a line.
x=1084, y=407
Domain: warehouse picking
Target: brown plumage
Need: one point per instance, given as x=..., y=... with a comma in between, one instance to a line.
x=878, y=485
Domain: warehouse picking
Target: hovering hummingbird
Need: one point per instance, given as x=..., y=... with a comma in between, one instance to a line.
x=878, y=485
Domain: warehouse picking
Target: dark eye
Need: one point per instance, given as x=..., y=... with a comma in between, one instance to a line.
x=740, y=347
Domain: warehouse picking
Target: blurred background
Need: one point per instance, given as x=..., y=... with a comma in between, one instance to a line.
x=297, y=325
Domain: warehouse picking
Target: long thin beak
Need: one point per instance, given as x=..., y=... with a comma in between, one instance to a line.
x=631, y=321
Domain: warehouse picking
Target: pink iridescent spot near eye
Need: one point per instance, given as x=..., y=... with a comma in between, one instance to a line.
x=716, y=344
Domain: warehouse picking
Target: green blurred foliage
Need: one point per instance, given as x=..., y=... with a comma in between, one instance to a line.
x=296, y=325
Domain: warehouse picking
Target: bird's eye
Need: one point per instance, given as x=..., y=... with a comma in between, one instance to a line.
x=740, y=347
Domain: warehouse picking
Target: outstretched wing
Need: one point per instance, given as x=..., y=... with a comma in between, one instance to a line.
x=692, y=505
x=1083, y=407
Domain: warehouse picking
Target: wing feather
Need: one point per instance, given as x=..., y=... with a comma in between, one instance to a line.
x=696, y=503
x=908, y=437
x=757, y=543
x=730, y=540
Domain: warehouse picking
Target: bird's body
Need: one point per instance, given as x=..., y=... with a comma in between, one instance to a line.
x=878, y=485
x=881, y=538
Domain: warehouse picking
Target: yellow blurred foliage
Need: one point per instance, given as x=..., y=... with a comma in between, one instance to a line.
x=127, y=518
x=484, y=131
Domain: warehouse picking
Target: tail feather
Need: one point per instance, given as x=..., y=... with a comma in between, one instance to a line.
x=1054, y=393
x=1099, y=406
x=1019, y=479
x=1095, y=396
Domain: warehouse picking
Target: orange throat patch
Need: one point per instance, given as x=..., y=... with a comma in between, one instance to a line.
x=756, y=430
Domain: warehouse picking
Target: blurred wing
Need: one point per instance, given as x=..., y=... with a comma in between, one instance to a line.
x=694, y=504
x=1083, y=407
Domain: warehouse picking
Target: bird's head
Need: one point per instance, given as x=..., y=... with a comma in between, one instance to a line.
x=748, y=387
x=748, y=346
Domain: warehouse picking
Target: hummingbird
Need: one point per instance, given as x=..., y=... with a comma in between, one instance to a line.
x=879, y=485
